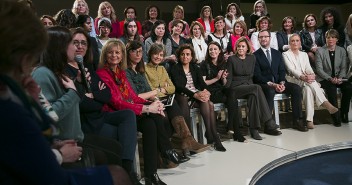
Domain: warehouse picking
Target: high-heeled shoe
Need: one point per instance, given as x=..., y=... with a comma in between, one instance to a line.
x=237, y=136
x=255, y=134
x=154, y=180
x=219, y=147
x=173, y=156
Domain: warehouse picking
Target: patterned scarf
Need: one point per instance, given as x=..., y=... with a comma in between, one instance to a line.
x=120, y=79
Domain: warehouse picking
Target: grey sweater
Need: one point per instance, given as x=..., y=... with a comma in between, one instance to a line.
x=64, y=102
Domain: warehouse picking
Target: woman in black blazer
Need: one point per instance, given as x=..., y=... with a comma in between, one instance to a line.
x=191, y=91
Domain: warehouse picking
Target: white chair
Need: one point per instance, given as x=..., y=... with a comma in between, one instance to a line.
x=196, y=116
x=277, y=98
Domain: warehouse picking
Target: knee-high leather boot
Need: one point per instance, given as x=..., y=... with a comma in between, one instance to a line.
x=183, y=138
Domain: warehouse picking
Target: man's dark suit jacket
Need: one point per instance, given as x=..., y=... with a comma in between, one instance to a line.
x=263, y=72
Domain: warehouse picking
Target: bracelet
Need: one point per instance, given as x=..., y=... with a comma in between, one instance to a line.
x=147, y=107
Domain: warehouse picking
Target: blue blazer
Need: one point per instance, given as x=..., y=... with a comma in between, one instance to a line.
x=263, y=72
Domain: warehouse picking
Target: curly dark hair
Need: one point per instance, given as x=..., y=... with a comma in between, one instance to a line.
x=65, y=18
x=147, y=12
x=334, y=12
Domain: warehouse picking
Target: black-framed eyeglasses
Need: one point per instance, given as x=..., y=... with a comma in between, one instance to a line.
x=82, y=43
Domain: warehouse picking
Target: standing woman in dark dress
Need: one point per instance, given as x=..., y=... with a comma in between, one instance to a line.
x=240, y=79
x=192, y=90
x=215, y=73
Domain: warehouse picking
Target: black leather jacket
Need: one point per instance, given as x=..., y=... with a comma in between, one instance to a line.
x=307, y=41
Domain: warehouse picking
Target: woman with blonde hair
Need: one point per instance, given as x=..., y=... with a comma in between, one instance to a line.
x=301, y=73
x=179, y=14
x=259, y=10
x=348, y=32
x=206, y=19
x=106, y=10
x=149, y=114
x=198, y=41
x=80, y=7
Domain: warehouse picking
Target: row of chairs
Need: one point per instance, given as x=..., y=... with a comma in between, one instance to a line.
x=197, y=125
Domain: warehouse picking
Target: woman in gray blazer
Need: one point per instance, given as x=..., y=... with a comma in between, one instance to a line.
x=331, y=66
x=301, y=73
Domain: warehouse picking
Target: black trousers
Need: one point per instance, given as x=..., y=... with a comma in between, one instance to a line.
x=258, y=108
x=125, y=121
x=291, y=89
x=154, y=136
x=346, y=90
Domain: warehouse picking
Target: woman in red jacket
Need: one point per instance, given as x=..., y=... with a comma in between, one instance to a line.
x=206, y=19
x=149, y=120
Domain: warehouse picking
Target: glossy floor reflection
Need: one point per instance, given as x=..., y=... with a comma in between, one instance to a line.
x=241, y=161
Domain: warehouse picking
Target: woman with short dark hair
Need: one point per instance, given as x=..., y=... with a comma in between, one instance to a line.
x=332, y=68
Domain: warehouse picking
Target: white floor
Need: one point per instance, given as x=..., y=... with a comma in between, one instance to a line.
x=241, y=161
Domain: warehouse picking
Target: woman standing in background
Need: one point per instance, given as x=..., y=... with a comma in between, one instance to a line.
x=106, y=10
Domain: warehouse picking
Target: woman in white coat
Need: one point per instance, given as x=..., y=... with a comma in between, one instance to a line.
x=300, y=72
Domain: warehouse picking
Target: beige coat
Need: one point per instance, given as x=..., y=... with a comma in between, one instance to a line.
x=297, y=66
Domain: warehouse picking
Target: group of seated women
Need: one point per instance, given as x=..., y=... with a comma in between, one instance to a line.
x=216, y=66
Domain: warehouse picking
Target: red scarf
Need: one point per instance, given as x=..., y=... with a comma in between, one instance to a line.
x=120, y=79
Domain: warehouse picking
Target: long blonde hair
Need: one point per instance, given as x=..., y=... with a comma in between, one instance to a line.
x=75, y=4
x=265, y=12
x=349, y=26
x=112, y=15
x=107, y=47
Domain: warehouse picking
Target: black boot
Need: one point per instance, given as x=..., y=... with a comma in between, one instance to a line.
x=154, y=180
x=255, y=134
x=128, y=166
x=336, y=119
x=344, y=117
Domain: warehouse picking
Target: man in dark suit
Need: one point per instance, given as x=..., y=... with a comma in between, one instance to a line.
x=270, y=72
